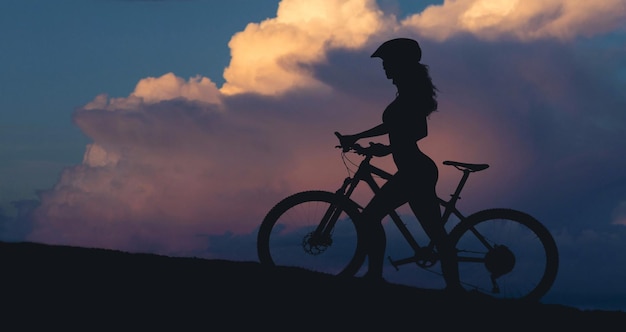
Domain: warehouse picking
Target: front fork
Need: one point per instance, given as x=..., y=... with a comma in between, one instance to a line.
x=323, y=232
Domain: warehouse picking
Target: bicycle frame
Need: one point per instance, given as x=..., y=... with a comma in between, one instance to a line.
x=493, y=241
x=424, y=255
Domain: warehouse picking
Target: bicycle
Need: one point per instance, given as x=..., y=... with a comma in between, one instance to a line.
x=324, y=236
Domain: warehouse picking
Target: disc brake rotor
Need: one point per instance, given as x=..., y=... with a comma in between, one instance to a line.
x=315, y=245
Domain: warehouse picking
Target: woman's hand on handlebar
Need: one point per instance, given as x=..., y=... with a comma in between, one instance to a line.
x=375, y=149
x=346, y=142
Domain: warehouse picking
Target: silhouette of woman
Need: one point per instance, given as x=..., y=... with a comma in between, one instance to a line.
x=404, y=121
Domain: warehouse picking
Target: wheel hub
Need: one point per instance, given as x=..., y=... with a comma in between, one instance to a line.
x=499, y=261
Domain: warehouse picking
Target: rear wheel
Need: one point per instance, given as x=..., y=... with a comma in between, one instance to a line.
x=288, y=237
x=505, y=254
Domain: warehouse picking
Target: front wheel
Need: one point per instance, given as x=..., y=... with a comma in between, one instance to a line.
x=505, y=254
x=291, y=235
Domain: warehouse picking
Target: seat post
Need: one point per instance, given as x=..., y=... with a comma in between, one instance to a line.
x=456, y=196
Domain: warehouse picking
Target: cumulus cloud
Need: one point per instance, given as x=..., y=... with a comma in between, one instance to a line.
x=275, y=55
x=525, y=20
x=178, y=161
x=152, y=90
x=163, y=176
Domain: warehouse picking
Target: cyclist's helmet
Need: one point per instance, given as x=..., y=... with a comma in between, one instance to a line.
x=399, y=49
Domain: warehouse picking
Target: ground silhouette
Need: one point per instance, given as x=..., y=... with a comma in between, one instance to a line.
x=85, y=288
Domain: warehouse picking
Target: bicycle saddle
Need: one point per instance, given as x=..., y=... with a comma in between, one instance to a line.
x=465, y=166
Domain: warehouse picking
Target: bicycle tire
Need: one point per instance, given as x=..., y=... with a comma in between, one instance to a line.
x=523, y=257
x=283, y=234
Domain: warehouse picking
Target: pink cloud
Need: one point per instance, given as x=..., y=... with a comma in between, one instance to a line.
x=163, y=176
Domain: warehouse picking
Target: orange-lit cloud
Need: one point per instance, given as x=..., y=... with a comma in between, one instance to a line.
x=152, y=90
x=521, y=19
x=275, y=55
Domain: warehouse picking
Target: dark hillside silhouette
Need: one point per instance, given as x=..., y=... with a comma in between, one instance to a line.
x=60, y=287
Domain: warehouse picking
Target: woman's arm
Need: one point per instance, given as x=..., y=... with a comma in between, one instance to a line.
x=379, y=130
x=349, y=140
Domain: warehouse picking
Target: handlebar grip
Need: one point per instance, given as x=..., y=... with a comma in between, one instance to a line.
x=345, y=148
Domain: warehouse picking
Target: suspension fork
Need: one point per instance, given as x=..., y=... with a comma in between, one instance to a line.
x=327, y=224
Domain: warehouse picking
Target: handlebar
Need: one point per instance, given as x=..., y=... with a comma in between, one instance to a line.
x=356, y=147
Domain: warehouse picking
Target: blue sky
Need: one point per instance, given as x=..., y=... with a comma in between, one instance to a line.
x=131, y=125
x=58, y=55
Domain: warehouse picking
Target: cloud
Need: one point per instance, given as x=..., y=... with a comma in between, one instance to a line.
x=275, y=55
x=524, y=20
x=303, y=32
x=152, y=90
x=177, y=162
x=165, y=175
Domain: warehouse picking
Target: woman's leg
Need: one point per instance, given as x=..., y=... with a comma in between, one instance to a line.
x=427, y=210
x=390, y=196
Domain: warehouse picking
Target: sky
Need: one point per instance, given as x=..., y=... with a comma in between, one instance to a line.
x=172, y=127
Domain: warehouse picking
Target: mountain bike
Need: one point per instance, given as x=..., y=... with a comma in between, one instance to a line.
x=501, y=252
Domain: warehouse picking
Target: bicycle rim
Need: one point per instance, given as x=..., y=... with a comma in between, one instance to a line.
x=286, y=235
x=513, y=257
